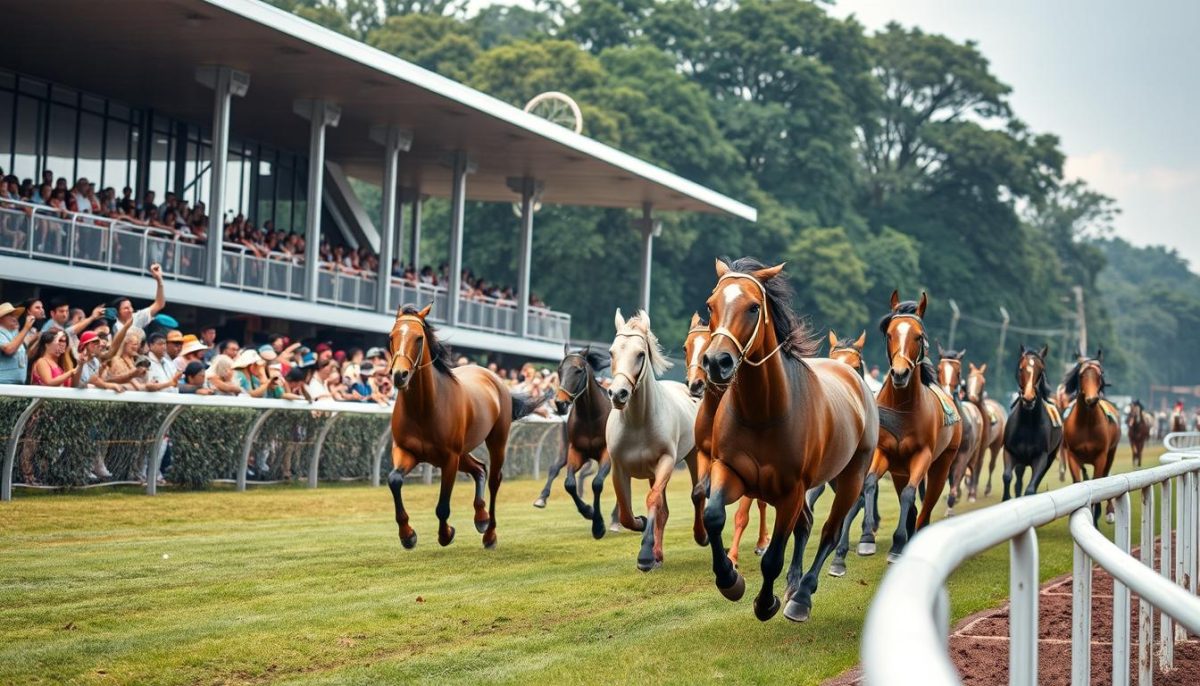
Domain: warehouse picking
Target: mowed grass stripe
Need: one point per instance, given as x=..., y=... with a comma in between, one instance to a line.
x=301, y=586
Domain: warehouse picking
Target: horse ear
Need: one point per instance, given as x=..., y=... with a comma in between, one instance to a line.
x=1023, y=351
x=832, y=339
x=566, y=349
x=971, y=366
x=722, y=268
x=768, y=273
x=618, y=320
x=695, y=321
x=921, y=305
x=1045, y=352
x=983, y=368
x=895, y=299
x=1099, y=354
x=399, y=310
x=941, y=350
x=424, y=312
x=962, y=353
x=645, y=317
x=861, y=341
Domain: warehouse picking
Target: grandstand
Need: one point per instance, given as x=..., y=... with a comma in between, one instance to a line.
x=248, y=110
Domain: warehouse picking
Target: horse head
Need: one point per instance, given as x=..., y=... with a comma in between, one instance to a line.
x=409, y=345
x=1031, y=376
x=976, y=382
x=949, y=369
x=635, y=354
x=907, y=344
x=739, y=311
x=693, y=347
x=846, y=350
x=575, y=373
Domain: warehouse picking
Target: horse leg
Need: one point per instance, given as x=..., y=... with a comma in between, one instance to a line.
x=698, y=532
x=976, y=467
x=469, y=466
x=449, y=473
x=1102, y=471
x=1063, y=465
x=1008, y=473
x=550, y=477
x=741, y=519
x=402, y=464
x=724, y=486
x=936, y=477
x=621, y=491
x=497, y=444
x=1020, y=479
x=788, y=511
x=1046, y=463
x=813, y=494
x=597, y=489
x=956, y=476
x=799, y=607
x=993, y=449
x=651, y=555
x=870, y=494
x=573, y=482
x=764, y=539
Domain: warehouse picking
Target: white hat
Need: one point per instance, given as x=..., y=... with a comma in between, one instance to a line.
x=192, y=347
x=246, y=358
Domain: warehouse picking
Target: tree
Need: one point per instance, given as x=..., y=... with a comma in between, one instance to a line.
x=830, y=278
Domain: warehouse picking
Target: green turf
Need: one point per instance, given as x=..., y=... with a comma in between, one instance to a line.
x=296, y=585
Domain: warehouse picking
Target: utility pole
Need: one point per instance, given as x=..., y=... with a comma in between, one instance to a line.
x=1081, y=320
x=954, y=314
x=1003, y=335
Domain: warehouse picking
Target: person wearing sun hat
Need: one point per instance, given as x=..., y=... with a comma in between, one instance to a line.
x=13, y=359
x=192, y=350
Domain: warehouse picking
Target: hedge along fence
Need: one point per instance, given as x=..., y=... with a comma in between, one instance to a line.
x=56, y=435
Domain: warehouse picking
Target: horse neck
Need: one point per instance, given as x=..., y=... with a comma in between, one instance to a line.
x=591, y=404
x=912, y=395
x=423, y=392
x=764, y=391
x=644, y=399
x=1088, y=414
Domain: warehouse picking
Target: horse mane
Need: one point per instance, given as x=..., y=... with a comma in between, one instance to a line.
x=438, y=352
x=847, y=342
x=596, y=360
x=795, y=335
x=1073, y=377
x=658, y=361
x=909, y=307
x=948, y=354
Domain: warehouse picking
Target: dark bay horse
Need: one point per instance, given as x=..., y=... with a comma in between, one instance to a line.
x=931, y=430
x=710, y=396
x=993, y=421
x=949, y=372
x=1138, y=423
x=585, y=402
x=441, y=414
x=1033, y=432
x=784, y=425
x=1091, y=425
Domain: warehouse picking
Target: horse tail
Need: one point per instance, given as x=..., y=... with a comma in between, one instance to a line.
x=523, y=404
x=891, y=421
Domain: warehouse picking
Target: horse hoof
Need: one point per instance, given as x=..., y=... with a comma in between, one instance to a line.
x=490, y=545
x=893, y=558
x=837, y=568
x=766, y=613
x=797, y=612
x=736, y=591
x=949, y=511
x=482, y=526
x=447, y=539
x=540, y=503
x=410, y=542
x=615, y=527
x=971, y=499
x=760, y=551
x=641, y=523
x=866, y=549
x=987, y=491
x=733, y=561
x=1110, y=518
x=648, y=566
x=598, y=529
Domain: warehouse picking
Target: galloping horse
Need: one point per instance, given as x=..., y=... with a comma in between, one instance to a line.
x=949, y=371
x=1179, y=418
x=993, y=422
x=931, y=431
x=650, y=429
x=1139, y=430
x=441, y=415
x=1033, y=433
x=785, y=424
x=586, y=401
x=1091, y=425
x=1062, y=400
x=710, y=396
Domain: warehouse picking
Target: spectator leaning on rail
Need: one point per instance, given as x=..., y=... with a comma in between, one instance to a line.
x=162, y=375
x=50, y=363
x=13, y=358
x=143, y=317
x=194, y=379
x=192, y=350
x=126, y=369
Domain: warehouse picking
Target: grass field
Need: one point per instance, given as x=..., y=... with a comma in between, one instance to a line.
x=311, y=586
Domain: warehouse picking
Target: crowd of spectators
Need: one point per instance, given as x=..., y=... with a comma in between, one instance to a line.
x=189, y=223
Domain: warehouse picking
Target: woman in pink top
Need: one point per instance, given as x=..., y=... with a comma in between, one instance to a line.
x=50, y=365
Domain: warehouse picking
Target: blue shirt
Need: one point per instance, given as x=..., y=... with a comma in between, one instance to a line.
x=12, y=367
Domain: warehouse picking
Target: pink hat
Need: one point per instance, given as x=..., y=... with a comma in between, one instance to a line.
x=87, y=337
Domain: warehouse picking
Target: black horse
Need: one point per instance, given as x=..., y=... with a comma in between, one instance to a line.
x=1033, y=434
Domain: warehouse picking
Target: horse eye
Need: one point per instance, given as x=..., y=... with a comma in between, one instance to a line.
x=641, y=356
x=754, y=308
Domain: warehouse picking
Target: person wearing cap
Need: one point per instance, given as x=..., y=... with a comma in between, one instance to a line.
x=191, y=350
x=13, y=359
x=324, y=351
x=194, y=380
x=141, y=318
x=174, y=344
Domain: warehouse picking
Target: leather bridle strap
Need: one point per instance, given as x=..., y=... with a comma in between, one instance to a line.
x=634, y=381
x=901, y=353
x=401, y=354
x=695, y=329
x=587, y=379
x=763, y=318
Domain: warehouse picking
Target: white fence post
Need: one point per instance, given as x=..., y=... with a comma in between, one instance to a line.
x=1166, y=630
x=1023, y=608
x=1120, y=646
x=1145, y=610
x=1081, y=619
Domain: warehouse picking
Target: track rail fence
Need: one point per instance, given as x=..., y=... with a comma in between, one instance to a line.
x=908, y=622
x=53, y=437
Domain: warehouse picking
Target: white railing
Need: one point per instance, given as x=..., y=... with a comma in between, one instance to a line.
x=905, y=636
x=531, y=433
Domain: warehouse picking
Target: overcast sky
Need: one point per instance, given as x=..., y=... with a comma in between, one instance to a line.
x=1115, y=80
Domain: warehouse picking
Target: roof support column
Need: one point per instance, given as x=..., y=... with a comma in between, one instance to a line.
x=529, y=190
x=394, y=140
x=414, y=239
x=458, y=199
x=225, y=83
x=319, y=115
x=649, y=228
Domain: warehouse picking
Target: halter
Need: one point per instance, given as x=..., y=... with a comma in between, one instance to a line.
x=401, y=354
x=587, y=380
x=695, y=329
x=924, y=343
x=763, y=318
x=642, y=371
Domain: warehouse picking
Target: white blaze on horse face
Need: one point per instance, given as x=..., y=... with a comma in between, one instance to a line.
x=947, y=375
x=731, y=292
x=1030, y=368
x=903, y=329
x=973, y=386
x=701, y=342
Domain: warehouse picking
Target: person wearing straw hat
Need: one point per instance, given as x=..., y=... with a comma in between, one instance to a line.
x=174, y=345
x=192, y=350
x=250, y=374
x=13, y=359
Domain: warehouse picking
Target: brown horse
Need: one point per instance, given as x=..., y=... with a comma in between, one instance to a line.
x=586, y=401
x=993, y=421
x=1178, y=419
x=1139, y=430
x=441, y=414
x=784, y=425
x=710, y=396
x=970, y=449
x=1091, y=425
x=931, y=432
x=1062, y=401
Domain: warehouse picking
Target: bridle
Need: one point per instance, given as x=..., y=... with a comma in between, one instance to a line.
x=695, y=365
x=587, y=378
x=957, y=364
x=924, y=343
x=400, y=354
x=764, y=317
x=635, y=381
x=862, y=364
x=1040, y=376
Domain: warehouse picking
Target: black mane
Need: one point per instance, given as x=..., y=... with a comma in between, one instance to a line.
x=845, y=343
x=790, y=329
x=438, y=352
x=928, y=373
x=596, y=360
x=1072, y=379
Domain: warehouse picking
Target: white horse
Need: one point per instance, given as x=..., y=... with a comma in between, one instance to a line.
x=649, y=430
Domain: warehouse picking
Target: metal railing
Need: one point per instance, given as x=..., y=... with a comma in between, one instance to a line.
x=283, y=431
x=909, y=619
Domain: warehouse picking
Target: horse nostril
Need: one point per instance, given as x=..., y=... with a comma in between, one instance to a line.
x=725, y=360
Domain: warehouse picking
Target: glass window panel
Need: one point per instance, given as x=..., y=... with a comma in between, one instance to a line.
x=283, y=194
x=29, y=140
x=116, y=156
x=160, y=165
x=91, y=136
x=60, y=144
x=6, y=115
x=233, y=183
x=264, y=206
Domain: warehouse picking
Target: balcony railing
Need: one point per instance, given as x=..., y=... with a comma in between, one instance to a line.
x=44, y=233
